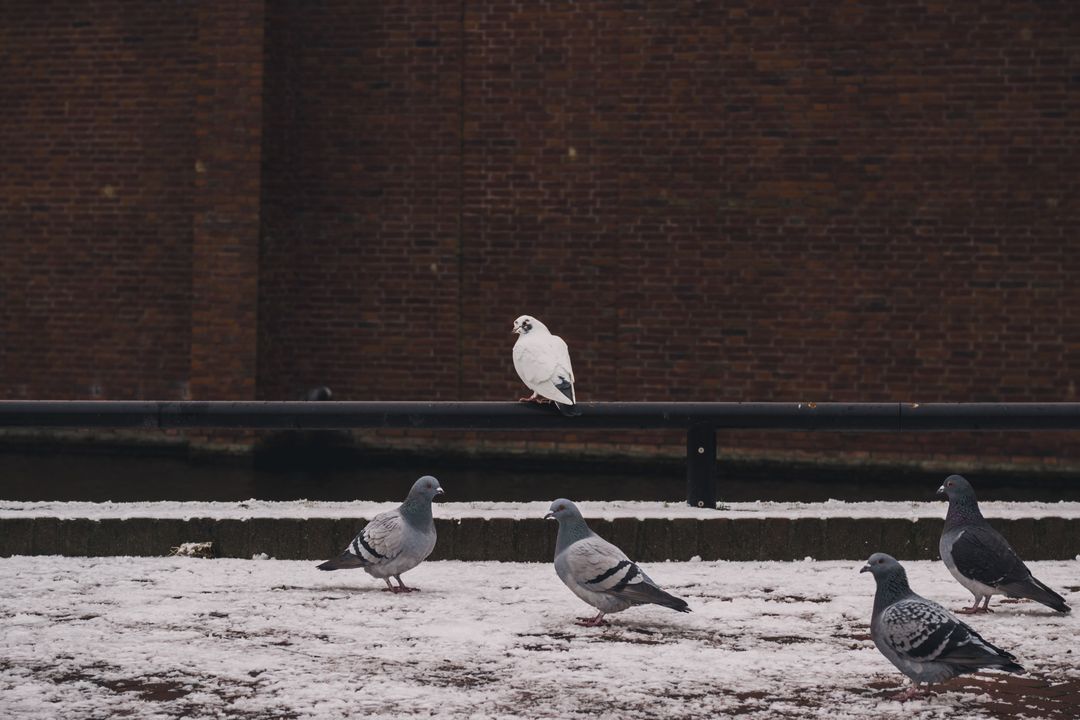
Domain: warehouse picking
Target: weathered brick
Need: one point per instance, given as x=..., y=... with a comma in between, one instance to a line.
x=708, y=203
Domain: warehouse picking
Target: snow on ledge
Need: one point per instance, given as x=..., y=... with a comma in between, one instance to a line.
x=303, y=509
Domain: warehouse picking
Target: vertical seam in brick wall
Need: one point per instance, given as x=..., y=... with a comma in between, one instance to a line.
x=461, y=211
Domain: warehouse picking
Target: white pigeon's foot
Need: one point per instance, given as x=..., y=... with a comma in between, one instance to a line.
x=531, y=398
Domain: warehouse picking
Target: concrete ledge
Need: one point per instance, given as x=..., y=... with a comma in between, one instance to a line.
x=533, y=540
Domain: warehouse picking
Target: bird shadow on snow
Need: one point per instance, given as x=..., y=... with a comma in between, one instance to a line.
x=358, y=590
x=653, y=632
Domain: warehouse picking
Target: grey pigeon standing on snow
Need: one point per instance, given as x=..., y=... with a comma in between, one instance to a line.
x=396, y=540
x=542, y=361
x=598, y=572
x=980, y=558
x=924, y=640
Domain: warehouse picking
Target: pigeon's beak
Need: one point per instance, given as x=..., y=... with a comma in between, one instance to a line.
x=439, y=491
x=941, y=490
x=865, y=568
x=550, y=516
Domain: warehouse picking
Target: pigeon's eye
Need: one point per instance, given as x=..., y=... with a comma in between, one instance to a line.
x=948, y=484
x=879, y=562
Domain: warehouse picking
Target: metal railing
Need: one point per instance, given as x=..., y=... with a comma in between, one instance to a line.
x=701, y=421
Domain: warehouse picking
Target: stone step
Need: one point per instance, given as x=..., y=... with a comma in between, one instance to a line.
x=647, y=539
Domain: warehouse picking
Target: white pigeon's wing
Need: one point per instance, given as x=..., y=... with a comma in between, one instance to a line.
x=544, y=366
x=380, y=540
x=562, y=355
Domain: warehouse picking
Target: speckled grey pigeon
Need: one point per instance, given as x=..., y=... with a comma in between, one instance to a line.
x=924, y=640
x=598, y=572
x=980, y=558
x=396, y=540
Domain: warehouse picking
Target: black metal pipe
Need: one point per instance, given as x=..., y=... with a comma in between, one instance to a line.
x=854, y=417
x=700, y=420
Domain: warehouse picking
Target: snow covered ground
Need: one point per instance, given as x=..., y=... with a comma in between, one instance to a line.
x=519, y=510
x=182, y=637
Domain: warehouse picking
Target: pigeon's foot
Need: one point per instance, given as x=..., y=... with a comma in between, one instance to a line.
x=910, y=694
x=532, y=398
x=401, y=587
x=597, y=621
x=974, y=611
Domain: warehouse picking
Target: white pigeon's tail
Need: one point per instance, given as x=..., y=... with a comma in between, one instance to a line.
x=567, y=410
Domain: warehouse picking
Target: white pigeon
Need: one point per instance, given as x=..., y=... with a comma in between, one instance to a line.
x=396, y=540
x=542, y=360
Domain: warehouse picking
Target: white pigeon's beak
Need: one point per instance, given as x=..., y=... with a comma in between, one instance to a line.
x=516, y=330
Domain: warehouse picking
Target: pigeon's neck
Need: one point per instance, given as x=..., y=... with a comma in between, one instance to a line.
x=891, y=588
x=570, y=531
x=417, y=512
x=962, y=511
x=535, y=334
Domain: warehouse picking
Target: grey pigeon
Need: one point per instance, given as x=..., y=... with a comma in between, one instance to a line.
x=598, y=572
x=922, y=639
x=542, y=361
x=980, y=558
x=396, y=540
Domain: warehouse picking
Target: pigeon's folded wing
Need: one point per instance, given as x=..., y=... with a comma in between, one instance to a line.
x=562, y=356
x=597, y=565
x=923, y=631
x=380, y=540
x=539, y=363
x=984, y=555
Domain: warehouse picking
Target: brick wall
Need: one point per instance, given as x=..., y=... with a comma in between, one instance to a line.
x=96, y=199
x=359, y=286
x=711, y=201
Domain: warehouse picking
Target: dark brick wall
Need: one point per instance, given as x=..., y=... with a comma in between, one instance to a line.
x=96, y=198
x=359, y=274
x=225, y=272
x=716, y=201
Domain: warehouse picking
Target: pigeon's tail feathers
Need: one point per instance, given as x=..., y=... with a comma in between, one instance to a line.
x=344, y=561
x=647, y=593
x=1032, y=589
x=566, y=387
x=568, y=410
x=976, y=653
